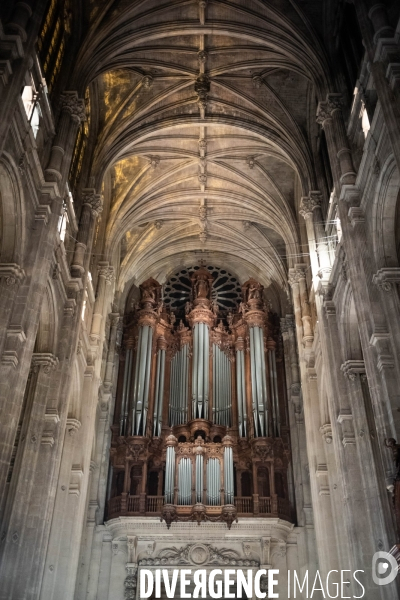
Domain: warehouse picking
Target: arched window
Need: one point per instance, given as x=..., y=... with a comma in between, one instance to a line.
x=53, y=35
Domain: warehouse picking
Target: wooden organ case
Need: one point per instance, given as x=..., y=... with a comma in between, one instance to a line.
x=201, y=428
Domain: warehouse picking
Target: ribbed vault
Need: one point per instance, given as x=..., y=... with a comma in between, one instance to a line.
x=204, y=115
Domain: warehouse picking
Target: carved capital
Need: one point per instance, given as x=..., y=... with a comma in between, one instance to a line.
x=107, y=273
x=11, y=273
x=352, y=368
x=93, y=200
x=323, y=113
x=295, y=275
x=334, y=102
x=387, y=279
x=326, y=432
x=75, y=106
x=45, y=361
x=305, y=209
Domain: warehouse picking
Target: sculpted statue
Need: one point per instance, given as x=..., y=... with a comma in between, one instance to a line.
x=150, y=293
x=202, y=288
x=201, y=281
x=253, y=294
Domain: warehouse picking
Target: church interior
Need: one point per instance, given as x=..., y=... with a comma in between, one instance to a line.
x=199, y=291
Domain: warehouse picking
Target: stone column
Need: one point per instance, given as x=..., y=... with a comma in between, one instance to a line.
x=105, y=279
x=11, y=277
x=387, y=280
x=72, y=113
x=310, y=209
x=374, y=330
x=92, y=206
x=19, y=338
x=382, y=48
x=18, y=536
x=297, y=279
x=296, y=420
x=16, y=49
x=364, y=513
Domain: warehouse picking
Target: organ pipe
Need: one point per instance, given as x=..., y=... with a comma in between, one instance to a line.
x=200, y=371
x=274, y=386
x=199, y=477
x=213, y=482
x=142, y=381
x=159, y=394
x=228, y=475
x=222, y=397
x=185, y=482
x=179, y=387
x=125, y=392
x=169, y=475
x=241, y=393
x=259, y=382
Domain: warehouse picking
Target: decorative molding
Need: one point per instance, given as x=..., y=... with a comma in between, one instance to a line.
x=93, y=200
x=73, y=425
x=387, y=278
x=352, y=368
x=75, y=106
x=12, y=273
x=326, y=432
x=356, y=216
x=199, y=554
x=52, y=419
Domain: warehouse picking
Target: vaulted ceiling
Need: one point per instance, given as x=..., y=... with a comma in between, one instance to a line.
x=205, y=117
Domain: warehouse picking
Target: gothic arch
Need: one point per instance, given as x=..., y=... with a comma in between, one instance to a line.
x=46, y=338
x=11, y=214
x=385, y=216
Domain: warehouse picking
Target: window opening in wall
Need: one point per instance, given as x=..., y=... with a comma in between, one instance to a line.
x=30, y=97
x=365, y=120
x=63, y=222
x=84, y=306
x=54, y=32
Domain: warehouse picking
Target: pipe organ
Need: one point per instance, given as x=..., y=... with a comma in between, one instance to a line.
x=200, y=421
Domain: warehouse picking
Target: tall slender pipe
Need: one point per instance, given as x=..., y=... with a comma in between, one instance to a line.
x=206, y=350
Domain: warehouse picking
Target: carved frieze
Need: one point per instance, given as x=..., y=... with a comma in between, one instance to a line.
x=199, y=554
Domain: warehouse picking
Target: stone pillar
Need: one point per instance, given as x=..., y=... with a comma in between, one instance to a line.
x=364, y=513
x=310, y=209
x=11, y=277
x=382, y=48
x=105, y=279
x=18, y=537
x=16, y=49
x=297, y=279
x=296, y=420
x=19, y=338
x=374, y=330
x=72, y=113
x=92, y=206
